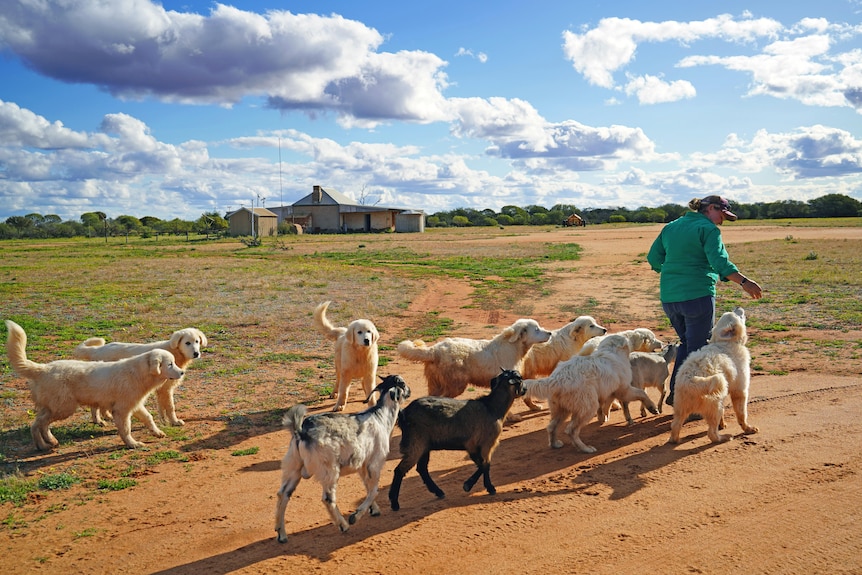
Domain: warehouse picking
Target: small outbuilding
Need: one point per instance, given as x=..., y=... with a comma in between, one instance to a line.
x=257, y=223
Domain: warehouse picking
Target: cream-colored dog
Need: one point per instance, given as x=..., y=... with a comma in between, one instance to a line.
x=641, y=339
x=584, y=386
x=185, y=345
x=710, y=374
x=456, y=362
x=356, y=354
x=59, y=387
x=542, y=358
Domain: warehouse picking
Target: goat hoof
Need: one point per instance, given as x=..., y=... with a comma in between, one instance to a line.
x=394, y=505
x=351, y=519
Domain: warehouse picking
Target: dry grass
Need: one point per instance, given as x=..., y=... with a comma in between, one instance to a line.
x=255, y=305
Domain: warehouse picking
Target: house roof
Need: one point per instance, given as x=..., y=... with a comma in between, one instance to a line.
x=329, y=197
x=257, y=211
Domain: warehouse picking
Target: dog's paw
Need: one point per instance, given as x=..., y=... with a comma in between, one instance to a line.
x=750, y=429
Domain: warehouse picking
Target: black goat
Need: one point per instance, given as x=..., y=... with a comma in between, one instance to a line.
x=444, y=423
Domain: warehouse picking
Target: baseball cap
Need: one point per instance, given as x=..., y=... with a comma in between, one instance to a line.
x=722, y=204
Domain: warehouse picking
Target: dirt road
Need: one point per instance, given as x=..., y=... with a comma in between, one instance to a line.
x=786, y=500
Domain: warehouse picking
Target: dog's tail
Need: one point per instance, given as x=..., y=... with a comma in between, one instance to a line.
x=324, y=326
x=293, y=419
x=538, y=388
x=84, y=348
x=415, y=351
x=16, y=344
x=714, y=384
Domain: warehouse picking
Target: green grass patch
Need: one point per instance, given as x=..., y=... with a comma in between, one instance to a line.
x=246, y=451
x=163, y=456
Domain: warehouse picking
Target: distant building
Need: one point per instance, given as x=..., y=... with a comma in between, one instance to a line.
x=263, y=223
x=330, y=211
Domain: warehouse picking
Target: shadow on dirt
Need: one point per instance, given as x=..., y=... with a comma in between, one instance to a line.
x=520, y=458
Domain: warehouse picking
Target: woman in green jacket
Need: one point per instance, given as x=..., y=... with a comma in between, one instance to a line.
x=691, y=258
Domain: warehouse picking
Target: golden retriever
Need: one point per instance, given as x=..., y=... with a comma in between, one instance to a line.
x=584, y=386
x=710, y=374
x=542, y=358
x=456, y=362
x=59, y=387
x=356, y=354
x=184, y=344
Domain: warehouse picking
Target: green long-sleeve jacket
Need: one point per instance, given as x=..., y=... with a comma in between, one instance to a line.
x=691, y=258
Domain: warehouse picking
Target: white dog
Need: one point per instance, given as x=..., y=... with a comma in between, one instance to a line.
x=184, y=344
x=59, y=387
x=456, y=362
x=641, y=339
x=710, y=374
x=584, y=386
x=356, y=354
x=565, y=342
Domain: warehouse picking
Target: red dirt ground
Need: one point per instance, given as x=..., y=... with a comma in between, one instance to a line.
x=786, y=500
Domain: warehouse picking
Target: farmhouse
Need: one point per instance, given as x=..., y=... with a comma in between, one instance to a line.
x=331, y=211
x=261, y=222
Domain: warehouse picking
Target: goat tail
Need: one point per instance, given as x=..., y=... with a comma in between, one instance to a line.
x=323, y=325
x=16, y=345
x=538, y=388
x=294, y=417
x=415, y=351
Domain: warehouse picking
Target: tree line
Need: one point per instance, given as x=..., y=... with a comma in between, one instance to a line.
x=96, y=224
x=828, y=206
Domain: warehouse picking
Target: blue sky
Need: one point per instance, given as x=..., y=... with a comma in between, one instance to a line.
x=170, y=110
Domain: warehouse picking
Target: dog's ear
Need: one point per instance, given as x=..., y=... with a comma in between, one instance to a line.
x=375, y=335
x=202, y=337
x=176, y=338
x=351, y=335
x=155, y=364
x=512, y=334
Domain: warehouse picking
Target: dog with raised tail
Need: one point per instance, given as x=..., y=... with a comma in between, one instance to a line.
x=710, y=374
x=356, y=354
x=120, y=387
x=184, y=344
